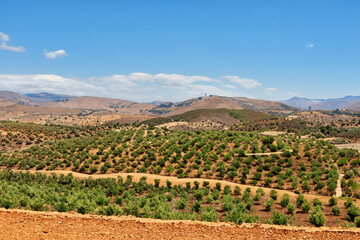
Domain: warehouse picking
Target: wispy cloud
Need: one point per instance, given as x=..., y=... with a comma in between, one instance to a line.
x=55, y=54
x=310, y=45
x=32, y=83
x=4, y=38
x=138, y=86
x=229, y=86
x=244, y=82
x=271, y=90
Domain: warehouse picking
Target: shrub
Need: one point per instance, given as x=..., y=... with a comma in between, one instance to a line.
x=332, y=186
x=240, y=214
x=306, y=186
x=38, y=204
x=209, y=215
x=300, y=200
x=316, y=217
x=342, y=162
x=197, y=206
x=357, y=222
x=206, y=183
x=256, y=198
x=209, y=199
x=215, y=194
x=279, y=218
x=182, y=203
x=291, y=208
x=60, y=207
x=317, y=202
x=268, y=204
x=260, y=191
x=273, y=194
x=268, y=181
x=227, y=190
x=157, y=182
x=348, y=203
x=227, y=203
x=285, y=200
x=199, y=194
x=8, y=202
x=332, y=201
x=237, y=190
x=335, y=210
x=103, y=169
x=249, y=203
x=353, y=212
x=305, y=206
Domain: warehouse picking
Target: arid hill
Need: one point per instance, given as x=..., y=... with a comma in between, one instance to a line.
x=355, y=106
x=9, y=110
x=67, y=109
x=221, y=115
x=215, y=102
x=16, y=98
x=99, y=103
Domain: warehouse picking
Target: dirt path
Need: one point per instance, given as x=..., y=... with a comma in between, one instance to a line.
x=262, y=154
x=338, y=187
x=182, y=181
x=266, y=154
x=20, y=224
x=355, y=146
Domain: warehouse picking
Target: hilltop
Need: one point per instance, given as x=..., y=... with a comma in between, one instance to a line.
x=220, y=115
x=65, y=109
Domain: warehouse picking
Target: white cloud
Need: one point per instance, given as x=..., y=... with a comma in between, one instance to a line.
x=32, y=83
x=55, y=54
x=310, y=45
x=244, y=82
x=4, y=38
x=229, y=86
x=271, y=90
x=141, y=87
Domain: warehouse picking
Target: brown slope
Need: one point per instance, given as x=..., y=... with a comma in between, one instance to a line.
x=16, y=98
x=95, y=103
x=10, y=111
x=353, y=106
x=215, y=102
x=100, y=103
x=5, y=103
x=261, y=105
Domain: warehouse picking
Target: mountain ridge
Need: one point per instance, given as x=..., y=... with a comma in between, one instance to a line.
x=324, y=104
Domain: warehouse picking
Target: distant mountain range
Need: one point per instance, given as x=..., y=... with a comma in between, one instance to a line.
x=62, y=101
x=348, y=102
x=64, y=109
x=33, y=99
x=48, y=97
x=56, y=101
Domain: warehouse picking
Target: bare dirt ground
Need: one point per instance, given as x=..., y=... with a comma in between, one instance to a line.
x=20, y=224
x=355, y=146
x=272, y=133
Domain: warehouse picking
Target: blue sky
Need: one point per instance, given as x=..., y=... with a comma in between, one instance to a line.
x=174, y=50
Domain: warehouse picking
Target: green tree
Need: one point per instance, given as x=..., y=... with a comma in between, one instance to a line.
x=285, y=200
x=316, y=217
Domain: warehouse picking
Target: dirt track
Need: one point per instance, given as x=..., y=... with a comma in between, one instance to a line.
x=18, y=224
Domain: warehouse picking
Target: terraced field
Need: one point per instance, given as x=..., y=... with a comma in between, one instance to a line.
x=201, y=175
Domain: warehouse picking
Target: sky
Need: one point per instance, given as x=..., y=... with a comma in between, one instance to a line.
x=154, y=50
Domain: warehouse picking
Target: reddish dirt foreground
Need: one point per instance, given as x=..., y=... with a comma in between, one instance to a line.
x=19, y=224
